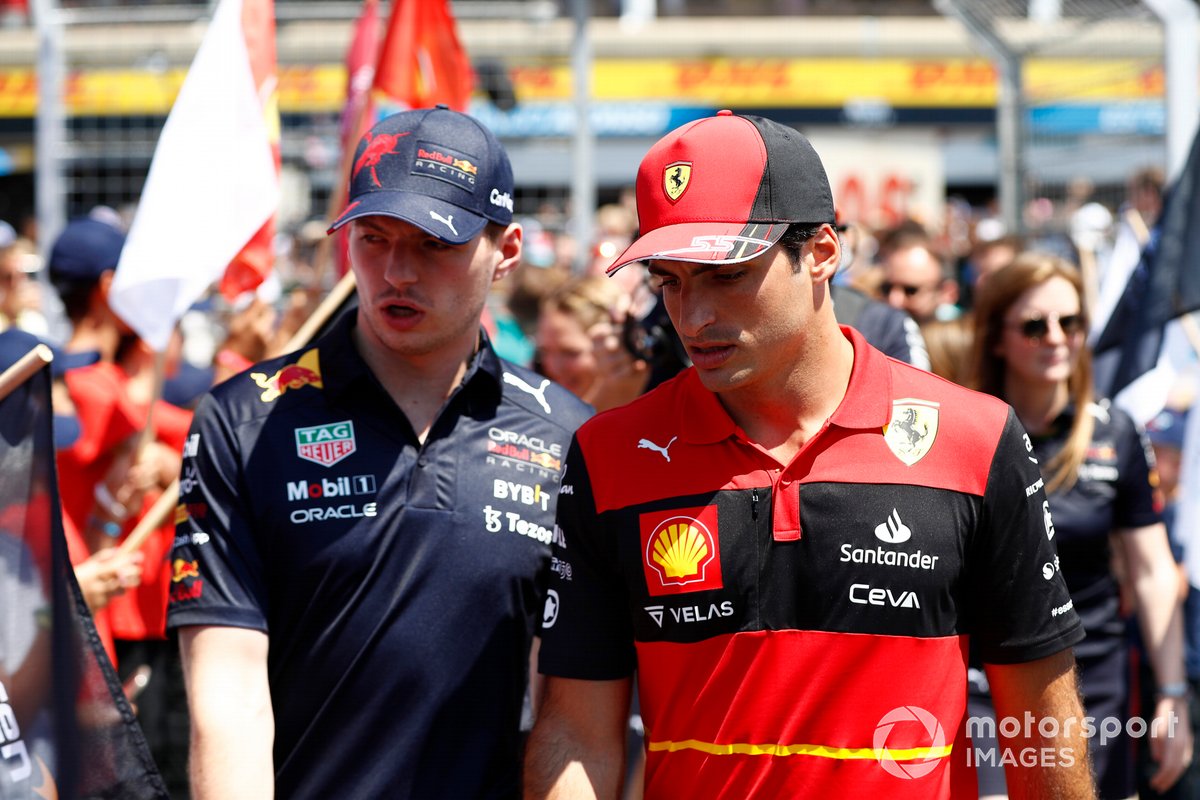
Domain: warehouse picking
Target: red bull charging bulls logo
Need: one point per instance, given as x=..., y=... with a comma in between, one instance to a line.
x=378, y=146
x=305, y=372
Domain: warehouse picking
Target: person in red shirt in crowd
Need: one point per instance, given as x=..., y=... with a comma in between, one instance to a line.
x=107, y=573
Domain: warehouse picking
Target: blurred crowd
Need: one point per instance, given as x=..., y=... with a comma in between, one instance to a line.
x=954, y=284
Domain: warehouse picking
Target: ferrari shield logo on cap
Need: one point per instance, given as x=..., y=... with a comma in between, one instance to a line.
x=912, y=430
x=675, y=179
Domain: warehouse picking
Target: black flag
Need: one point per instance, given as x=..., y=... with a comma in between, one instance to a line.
x=66, y=729
x=1165, y=285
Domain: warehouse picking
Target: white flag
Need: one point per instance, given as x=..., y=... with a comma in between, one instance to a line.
x=212, y=185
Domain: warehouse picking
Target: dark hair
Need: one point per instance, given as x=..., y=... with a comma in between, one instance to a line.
x=494, y=230
x=912, y=235
x=75, y=296
x=793, y=239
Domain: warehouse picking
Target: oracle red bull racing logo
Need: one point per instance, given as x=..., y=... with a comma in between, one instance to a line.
x=326, y=444
x=305, y=372
x=446, y=164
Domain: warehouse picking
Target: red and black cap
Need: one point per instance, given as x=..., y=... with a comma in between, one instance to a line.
x=724, y=189
x=435, y=168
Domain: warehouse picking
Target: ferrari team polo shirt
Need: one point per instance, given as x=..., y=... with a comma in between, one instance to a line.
x=801, y=629
x=400, y=583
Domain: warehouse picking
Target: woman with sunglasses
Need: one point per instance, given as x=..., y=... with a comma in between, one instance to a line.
x=1030, y=351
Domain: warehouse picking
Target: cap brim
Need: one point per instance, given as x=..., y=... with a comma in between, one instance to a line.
x=436, y=217
x=66, y=360
x=703, y=243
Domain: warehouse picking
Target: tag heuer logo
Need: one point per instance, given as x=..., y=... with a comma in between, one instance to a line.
x=675, y=179
x=325, y=444
x=912, y=430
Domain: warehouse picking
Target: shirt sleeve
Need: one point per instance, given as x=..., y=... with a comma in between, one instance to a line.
x=1021, y=608
x=1134, y=506
x=586, y=630
x=217, y=575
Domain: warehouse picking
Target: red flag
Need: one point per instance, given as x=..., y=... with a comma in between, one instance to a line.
x=361, y=58
x=252, y=265
x=423, y=63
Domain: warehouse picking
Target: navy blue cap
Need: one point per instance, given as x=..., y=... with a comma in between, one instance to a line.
x=1167, y=428
x=85, y=249
x=438, y=169
x=15, y=343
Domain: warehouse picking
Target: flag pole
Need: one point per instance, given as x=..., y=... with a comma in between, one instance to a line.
x=337, y=199
x=24, y=369
x=147, y=434
x=170, y=496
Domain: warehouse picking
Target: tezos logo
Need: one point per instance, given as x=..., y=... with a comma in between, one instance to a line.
x=895, y=734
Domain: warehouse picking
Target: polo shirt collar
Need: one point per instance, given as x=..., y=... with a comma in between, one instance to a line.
x=868, y=400
x=342, y=367
x=867, y=404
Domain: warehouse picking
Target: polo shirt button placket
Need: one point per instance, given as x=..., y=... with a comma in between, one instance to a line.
x=785, y=522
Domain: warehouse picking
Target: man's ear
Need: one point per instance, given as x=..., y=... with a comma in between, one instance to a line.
x=827, y=253
x=508, y=250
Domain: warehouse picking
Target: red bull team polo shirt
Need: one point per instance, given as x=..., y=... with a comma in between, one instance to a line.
x=400, y=583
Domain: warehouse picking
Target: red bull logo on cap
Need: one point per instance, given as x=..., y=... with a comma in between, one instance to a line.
x=326, y=444
x=378, y=146
x=305, y=372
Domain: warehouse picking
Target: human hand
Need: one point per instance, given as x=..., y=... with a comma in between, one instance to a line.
x=250, y=332
x=107, y=574
x=1170, y=741
x=159, y=465
x=126, y=482
x=620, y=375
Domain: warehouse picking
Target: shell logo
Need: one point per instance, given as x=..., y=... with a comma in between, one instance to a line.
x=679, y=548
x=681, y=551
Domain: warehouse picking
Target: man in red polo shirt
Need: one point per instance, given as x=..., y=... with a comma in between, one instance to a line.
x=794, y=539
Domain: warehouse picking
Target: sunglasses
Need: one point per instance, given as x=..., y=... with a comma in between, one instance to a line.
x=908, y=289
x=1036, y=328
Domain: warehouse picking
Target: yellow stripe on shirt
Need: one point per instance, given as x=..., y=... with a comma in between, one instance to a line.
x=817, y=750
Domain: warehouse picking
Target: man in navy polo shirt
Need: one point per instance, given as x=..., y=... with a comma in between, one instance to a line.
x=364, y=526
